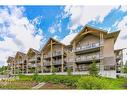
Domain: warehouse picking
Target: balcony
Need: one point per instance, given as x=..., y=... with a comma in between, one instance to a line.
x=32, y=59
x=88, y=48
x=87, y=58
x=46, y=64
x=58, y=62
x=47, y=56
x=19, y=62
x=54, y=54
x=31, y=65
x=57, y=53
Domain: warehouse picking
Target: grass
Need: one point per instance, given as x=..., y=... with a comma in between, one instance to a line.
x=17, y=84
x=59, y=82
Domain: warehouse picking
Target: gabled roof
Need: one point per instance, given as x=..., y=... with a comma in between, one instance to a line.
x=10, y=59
x=23, y=55
x=105, y=33
x=49, y=42
x=119, y=49
x=33, y=50
x=113, y=34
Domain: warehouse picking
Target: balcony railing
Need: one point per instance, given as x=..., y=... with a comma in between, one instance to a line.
x=47, y=64
x=20, y=62
x=58, y=62
x=86, y=47
x=88, y=58
x=32, y=59
x=54, y=54
x=57, y=53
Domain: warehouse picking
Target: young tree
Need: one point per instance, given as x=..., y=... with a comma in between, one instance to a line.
x=93, y=70
x=69, y=72
x=54, y=70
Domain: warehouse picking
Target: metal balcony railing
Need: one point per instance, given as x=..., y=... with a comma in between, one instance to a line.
x=32, y=59
x=57, y=62
x=86, y=47
x=55, y=53
x=20, y=62
x=88, y=58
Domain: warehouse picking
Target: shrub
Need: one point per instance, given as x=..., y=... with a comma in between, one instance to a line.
x=69, y=72
x=24, y=78
x=93, y=70
x=91, y=82
x=54, y=70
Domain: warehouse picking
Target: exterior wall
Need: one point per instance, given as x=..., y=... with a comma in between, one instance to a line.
x=88, y=39
x=109, y=61
x=109, y=47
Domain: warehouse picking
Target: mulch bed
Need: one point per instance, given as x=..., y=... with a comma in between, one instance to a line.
x=55, y=86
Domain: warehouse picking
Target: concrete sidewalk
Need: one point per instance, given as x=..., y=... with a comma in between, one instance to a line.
x=38, y=86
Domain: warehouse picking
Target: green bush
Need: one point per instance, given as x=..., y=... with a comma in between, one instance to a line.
x=25, y=78
x=69, y=72
x=93, y=70
x=90, y=82
x=54, y=70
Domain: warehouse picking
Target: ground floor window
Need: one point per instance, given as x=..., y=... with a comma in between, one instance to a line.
x=109, y=67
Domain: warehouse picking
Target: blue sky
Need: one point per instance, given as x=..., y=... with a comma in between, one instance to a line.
x=23, y=27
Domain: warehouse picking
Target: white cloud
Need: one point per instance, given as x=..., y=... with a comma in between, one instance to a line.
x=56, y=27
x=18, y=32
x=56, y=37
x=52, y=29
x=122, y=38
x=81, y=15
x=67, y=39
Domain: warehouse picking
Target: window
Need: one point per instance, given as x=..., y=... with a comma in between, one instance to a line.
x=110, y=67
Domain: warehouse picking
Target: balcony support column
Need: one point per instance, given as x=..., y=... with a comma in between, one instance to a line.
x=42, y=62
x=62, y=60
x=36, y=71
x=74, y=65
x=51, y=57
x=27, y=65
x=101, y=66
x=13, y=67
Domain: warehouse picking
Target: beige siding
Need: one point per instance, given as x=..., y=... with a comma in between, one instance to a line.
x=88, y=39
x=108, y=47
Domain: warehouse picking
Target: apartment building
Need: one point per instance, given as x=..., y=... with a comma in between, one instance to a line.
x=94, y=44
x=54, y=56
x=88, y=45
x=11, y=65
x=33, y=61
x=20, y=63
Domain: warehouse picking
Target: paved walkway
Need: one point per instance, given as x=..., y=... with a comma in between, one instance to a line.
x=38, y=86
